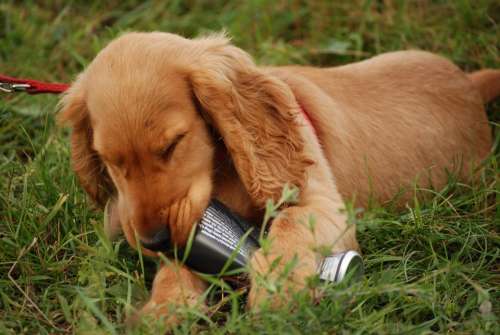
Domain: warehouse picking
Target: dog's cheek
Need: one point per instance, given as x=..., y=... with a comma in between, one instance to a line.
x=112, y=222
x=195, y=205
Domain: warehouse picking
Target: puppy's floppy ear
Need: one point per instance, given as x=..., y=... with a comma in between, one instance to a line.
x=255, y=113
x=86, y=163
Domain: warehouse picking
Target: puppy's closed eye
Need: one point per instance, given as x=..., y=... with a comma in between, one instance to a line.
x=167, y=152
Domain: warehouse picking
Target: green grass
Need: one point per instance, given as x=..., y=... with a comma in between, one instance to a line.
x=433, y=267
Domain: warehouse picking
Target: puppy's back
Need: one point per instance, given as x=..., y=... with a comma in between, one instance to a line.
x=400, y=115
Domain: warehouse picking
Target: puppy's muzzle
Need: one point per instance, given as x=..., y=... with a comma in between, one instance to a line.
x=160, y=241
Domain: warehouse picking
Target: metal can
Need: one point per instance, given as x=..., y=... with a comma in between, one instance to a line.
x=347, y=264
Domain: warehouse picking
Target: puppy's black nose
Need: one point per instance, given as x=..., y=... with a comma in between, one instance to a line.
x=159, y=242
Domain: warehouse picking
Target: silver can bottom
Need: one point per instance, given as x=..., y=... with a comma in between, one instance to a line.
x=338, y=266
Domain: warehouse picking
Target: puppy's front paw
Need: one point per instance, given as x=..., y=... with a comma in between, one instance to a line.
x=158, y=315
x=174, y=287
x=276, y=277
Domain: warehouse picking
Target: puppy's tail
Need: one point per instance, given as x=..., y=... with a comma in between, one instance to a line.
x=487, y=82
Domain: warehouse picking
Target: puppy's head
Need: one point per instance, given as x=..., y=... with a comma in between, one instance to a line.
x=141, y=115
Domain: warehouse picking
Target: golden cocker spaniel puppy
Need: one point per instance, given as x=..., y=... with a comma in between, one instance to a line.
x=161, y=124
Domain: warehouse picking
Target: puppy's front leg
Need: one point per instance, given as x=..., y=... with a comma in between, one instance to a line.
x=174, y=285
x=297, y=242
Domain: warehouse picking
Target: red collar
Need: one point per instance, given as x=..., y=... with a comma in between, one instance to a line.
x=308, y=119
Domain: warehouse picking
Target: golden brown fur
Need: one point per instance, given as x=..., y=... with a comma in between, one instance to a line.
x=382, y=125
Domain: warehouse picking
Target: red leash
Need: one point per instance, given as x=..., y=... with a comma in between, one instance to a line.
x=30, y=86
